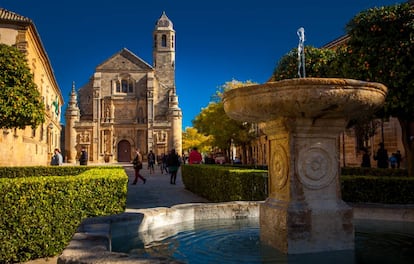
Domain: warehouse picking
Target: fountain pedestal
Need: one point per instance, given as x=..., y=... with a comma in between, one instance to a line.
x=302, y=119
x=304, y=211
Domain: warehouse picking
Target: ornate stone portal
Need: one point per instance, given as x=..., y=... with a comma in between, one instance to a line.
x=302, y=118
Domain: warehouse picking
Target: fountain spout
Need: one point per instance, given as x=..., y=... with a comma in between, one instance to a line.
x=301, y=53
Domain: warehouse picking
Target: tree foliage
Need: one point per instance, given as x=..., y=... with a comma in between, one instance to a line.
x=192, y=138
x=317, y=64
x=381, y=49
x=20, y=101
x=213, y=121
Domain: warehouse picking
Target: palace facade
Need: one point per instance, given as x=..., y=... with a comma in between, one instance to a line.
x=30, y=147
x=127, y=104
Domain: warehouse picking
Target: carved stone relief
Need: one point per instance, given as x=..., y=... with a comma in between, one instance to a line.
x=84, y=138
x=280, y=166
x=316, y=166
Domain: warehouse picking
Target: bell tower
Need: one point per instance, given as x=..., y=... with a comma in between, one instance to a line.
x=164, y=51
x=165, y=97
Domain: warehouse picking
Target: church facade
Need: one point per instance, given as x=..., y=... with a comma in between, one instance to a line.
x=127, y=104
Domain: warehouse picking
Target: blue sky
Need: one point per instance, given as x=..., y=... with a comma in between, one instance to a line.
x=216, y=40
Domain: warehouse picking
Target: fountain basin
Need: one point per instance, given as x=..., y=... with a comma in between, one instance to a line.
x=304, y=98
x=302, y=119
x=91, y=243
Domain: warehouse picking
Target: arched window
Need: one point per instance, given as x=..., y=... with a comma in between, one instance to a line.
x=164, y=41
x=172, y=41
x=124, y=85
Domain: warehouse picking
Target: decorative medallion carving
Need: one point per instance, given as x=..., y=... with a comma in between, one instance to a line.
x=280, y=166
x=316, y=167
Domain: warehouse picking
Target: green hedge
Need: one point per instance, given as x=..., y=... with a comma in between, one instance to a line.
x=371, y=189
x=374, y=172
x=30, y=171
x=40, y=214
x=221, y=183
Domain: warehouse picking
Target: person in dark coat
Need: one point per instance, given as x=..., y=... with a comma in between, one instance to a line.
x=83, y=159
x=399, y=158
x=173, y=163
x=366, y=159
x=381, y=157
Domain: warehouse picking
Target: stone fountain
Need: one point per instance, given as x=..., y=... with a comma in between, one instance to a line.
x=302, y=119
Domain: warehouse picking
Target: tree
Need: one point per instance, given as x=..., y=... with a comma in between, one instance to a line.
x=317, y=64
x=20, y=102
x=324, y=63
x=213, y=121
x=225, y=131
x=192, y=138
x=380, y=49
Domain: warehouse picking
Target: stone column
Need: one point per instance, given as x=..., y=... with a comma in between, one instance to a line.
x=175, y=117
x=72, y=116
x=96, y=106
x=304, y=212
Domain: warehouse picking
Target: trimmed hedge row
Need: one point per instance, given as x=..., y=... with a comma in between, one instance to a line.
x=40, y=214
x=374, y=172
x=371, y=189
x=224, y=183
x=221, y=183
x=30, y=171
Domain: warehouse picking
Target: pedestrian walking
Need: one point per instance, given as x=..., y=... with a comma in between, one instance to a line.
x=195, y=156
x=163, y=165
x=57, y=158
x=137, y=162
x=151, y=161
x=173, y=163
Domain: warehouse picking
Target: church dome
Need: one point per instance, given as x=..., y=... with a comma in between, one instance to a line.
x=164, y=22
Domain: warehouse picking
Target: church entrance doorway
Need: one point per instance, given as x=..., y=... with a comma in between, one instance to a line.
x=124, y=151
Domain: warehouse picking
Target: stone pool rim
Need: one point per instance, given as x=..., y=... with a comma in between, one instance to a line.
x=90, y=244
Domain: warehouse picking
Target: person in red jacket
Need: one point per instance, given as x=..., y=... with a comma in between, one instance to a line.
x=194, y=157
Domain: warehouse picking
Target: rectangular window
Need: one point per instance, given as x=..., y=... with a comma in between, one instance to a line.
x=118, y=87
x=130, y=87
x=124, y=84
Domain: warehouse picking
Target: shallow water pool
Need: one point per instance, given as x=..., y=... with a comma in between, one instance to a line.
x=238, y=241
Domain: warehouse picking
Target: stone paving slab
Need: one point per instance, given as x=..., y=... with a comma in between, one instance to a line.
x=157, y=191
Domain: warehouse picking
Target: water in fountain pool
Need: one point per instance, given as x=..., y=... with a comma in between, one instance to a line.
x=238, y=241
